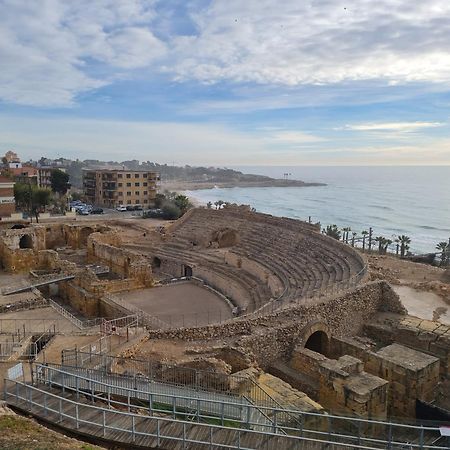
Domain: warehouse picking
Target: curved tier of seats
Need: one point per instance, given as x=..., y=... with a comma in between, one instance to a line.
x=304, y=261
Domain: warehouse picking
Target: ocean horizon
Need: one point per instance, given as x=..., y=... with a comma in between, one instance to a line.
x=393, y=200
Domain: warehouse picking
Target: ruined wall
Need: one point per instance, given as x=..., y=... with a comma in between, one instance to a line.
x=85, y=291
x=273, y=336
x=432, y=338
x=104, y=248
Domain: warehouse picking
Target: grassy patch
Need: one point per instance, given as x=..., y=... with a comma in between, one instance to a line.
x=20, y=433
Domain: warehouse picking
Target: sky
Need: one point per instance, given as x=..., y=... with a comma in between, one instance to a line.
x=227, y=82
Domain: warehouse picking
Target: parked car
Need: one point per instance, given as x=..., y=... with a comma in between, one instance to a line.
x=82, y=212
x=96, y=211
x=137, y=207
x=121, y=208
x=130, y=208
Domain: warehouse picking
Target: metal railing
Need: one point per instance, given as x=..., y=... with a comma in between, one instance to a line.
x=337, y=432
x=81, y=324
x=165, y=373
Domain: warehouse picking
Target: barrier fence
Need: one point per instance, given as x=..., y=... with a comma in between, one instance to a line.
x=96, y=404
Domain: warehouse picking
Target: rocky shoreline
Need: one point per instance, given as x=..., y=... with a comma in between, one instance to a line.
x=181, y=185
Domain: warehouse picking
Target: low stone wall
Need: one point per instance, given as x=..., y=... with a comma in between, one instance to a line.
x=274, y=336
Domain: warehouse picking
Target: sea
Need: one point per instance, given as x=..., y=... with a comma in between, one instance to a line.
x=394, y=200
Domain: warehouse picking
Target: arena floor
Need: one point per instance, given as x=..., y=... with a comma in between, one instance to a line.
x=183, y=304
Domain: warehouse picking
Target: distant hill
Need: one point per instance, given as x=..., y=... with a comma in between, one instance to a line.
x=187, y=177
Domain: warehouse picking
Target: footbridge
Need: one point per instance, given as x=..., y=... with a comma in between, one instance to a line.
x=45, y=280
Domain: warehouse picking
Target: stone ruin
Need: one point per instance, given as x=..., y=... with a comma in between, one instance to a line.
x=308, y=328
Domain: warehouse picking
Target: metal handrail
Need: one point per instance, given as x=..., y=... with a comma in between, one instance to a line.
x=325, y=437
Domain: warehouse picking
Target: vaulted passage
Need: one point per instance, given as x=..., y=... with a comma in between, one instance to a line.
x=26, y=241
x=318, y=342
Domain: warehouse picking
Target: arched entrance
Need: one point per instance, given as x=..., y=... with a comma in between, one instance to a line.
x=26, y=241
x=156, y=263
x=318, y=342
x=84, y=234
x=187, y=271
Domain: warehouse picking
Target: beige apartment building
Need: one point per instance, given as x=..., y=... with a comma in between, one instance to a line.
x=111, y=188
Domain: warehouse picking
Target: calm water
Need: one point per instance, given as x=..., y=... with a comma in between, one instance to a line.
x=392, y=200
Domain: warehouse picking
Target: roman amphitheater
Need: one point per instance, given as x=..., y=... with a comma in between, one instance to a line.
x=225, y=329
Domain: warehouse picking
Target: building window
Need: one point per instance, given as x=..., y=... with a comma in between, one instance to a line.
x=128, y=184
x=145, y=175
x=129, y=194
x=145, y=192
x=120, y=194
x=119, y=175
x=136, y=193
x=136, y=175
x=120, y=184
x=145, y=201
x=137, y=202
x=136, y=184
x=128, y=175
x=145, y=184
x=128, y=202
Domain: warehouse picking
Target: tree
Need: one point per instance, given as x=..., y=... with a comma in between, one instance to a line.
x=364, y=235
x=170, y=211
x=41, y=198
x=159, y=200
x=380, y=240
x=182, y=202
x=59, y=181
x=353, y=238
x=209, y=205
x=218, y=204
x=404, y=244
x=31, y=198
x=333, y=232
x=444, y=248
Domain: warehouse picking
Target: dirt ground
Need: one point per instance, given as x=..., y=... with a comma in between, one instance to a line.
x=183, y=304
x=39, y=319
x=424, y=290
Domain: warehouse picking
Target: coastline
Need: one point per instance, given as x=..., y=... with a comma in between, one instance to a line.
x=199, y=185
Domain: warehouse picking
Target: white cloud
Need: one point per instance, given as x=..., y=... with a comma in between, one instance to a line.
x=47, y=47
x=295, y=138
x=50, y=50
x=317, y=42
x=392, y=126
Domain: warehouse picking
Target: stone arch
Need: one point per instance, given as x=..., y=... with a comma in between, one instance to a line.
x=84, y=234
x=187, y=271
x=26, y=241
x=156, y=262
x=316, y=337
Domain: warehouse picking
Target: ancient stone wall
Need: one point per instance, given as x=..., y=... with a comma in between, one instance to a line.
x=270, y=337
x=432, y=338
x=104, y=248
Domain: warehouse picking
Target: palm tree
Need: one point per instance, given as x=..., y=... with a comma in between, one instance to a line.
x=444, y=247
x=380, y=240
x=364, y=234
x=404, y=244
x=387, y=243
x=397, y=248
x=333, y=231
x=209, y=205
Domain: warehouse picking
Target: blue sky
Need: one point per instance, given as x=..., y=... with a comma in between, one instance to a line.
x=316, y=82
